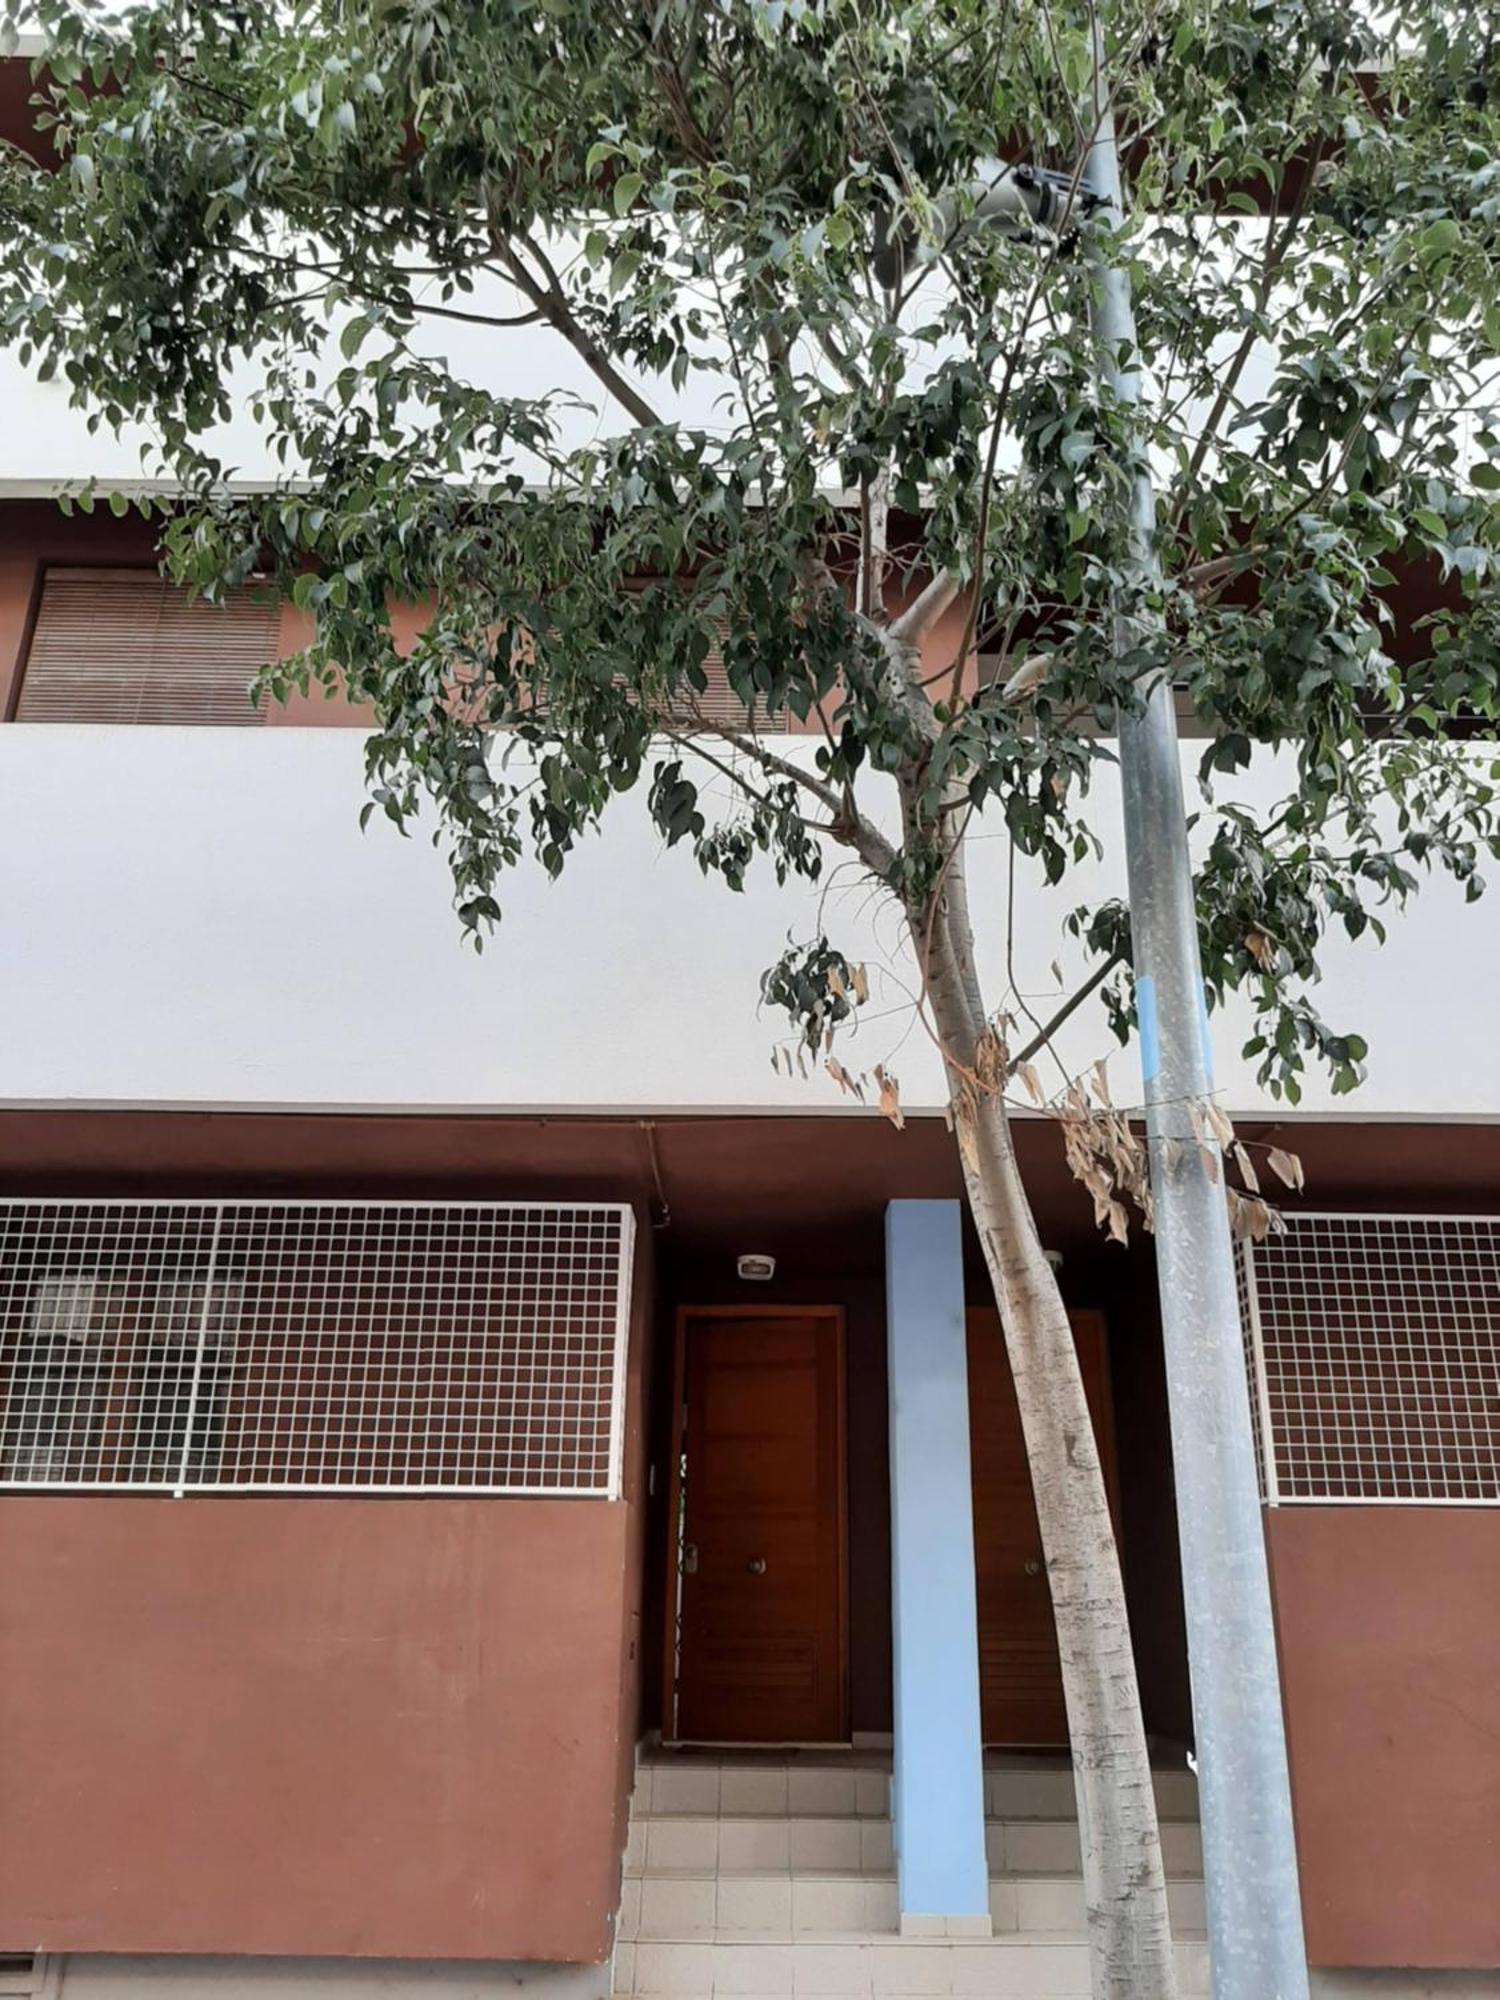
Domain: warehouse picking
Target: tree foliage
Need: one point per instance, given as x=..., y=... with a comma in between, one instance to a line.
x=311, y=207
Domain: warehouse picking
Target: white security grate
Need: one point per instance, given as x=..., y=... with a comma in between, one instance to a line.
x=1374, y=1353
x=325, y=1346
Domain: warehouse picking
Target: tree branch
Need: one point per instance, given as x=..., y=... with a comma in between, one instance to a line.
x=850, y=825
x=1277, y=245
x=553, y=306
x=1043, y=1037
x=926, y=608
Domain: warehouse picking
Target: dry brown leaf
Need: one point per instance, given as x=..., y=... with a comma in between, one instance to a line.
x=890, y=1097
x=860, y=981
x=1286, y=1166
x=1210, y=1161
x=1101, y=1081
x=1260, y=949
x=1256, y=1218
x=1031, y=1081
x=1220, y=1123
x=1119, y=1224
x=836, y=983
x=839, y=1074
x=1252, y=1219
x=1247, y=1168
x=989, y=1060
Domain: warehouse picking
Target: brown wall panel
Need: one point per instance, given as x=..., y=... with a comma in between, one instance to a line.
x=312, y=1726
x=1389, y=1623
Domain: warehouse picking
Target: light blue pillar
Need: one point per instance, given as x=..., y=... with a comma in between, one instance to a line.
x=938, y=1800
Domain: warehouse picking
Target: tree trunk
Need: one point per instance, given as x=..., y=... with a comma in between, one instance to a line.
x=1124, y=1886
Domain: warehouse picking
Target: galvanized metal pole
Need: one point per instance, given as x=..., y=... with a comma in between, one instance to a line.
x=1249, y=1854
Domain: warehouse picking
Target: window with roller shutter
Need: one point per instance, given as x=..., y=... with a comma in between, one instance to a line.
x=124, y=645
x=719, y=706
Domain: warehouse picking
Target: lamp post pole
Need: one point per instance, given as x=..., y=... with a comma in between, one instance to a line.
x=1249, y=1854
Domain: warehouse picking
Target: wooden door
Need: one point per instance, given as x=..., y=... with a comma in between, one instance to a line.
x=1020, y=1677
x=760, y=1649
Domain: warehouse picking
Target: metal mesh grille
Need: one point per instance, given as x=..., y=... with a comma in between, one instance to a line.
x=249, y=1346
x=1374, y=1349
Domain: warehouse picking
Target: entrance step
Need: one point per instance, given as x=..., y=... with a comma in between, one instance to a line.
x=683, y=1844
x=871, y=1969
x=770, y=1876
x=782, y=1908
x=694, y=1785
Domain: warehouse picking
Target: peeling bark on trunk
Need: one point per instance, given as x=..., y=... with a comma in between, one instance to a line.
x=1124, y=1885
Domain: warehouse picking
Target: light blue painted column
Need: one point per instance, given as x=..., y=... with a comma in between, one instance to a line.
x=938, y=1803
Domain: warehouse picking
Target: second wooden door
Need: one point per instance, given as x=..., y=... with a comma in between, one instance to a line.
x=1020, y=1676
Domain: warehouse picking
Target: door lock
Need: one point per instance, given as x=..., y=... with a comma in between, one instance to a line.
x=690, y=1558
x=756, y=1565
x=1033, y=1565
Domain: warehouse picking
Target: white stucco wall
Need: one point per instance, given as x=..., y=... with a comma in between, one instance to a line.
x=192, y=916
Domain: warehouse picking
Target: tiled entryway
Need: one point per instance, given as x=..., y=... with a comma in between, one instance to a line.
x=771, y=1877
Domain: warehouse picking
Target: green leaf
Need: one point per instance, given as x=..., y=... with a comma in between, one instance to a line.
x=627, y=187
x=1438, y=238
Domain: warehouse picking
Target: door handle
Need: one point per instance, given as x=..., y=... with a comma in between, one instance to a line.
x=690, y=1558
x=1033, y=1565
x=756, y=1565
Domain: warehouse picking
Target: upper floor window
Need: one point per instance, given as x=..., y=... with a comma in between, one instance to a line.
x=720, y=707
x=124, y=645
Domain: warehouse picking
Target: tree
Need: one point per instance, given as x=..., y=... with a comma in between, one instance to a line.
x=903, y=519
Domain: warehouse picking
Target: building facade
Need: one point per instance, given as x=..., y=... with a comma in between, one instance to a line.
x=493, y=1474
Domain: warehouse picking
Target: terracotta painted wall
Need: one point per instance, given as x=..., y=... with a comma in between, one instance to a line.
x=35, y=534
x=1389, y=1622
x=310, y=1726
